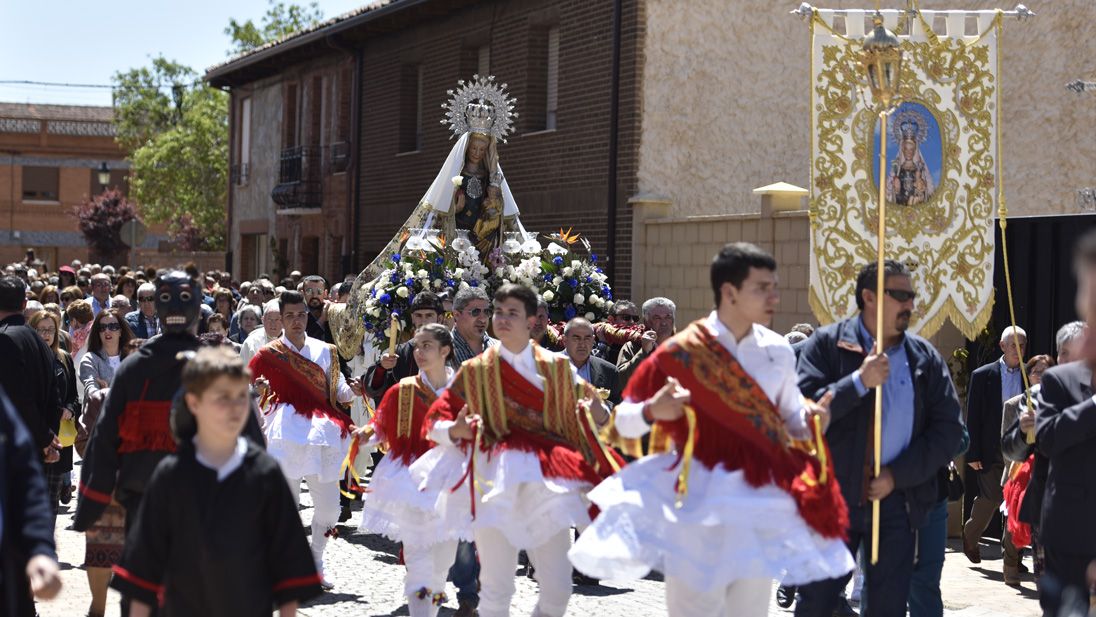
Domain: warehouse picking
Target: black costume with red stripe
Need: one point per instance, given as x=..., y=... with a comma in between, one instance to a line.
x=230, y=548
x=133, y=432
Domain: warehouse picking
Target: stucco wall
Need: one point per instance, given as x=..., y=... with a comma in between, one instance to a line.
x=251, y=201
x=725, y=101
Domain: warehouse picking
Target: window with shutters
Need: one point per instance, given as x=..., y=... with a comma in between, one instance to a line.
x=410, y=108
x=541, y=101
x=551, y=85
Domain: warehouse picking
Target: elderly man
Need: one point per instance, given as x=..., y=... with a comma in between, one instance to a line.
x=578, y=341
x=658, y=316
x=121, y=304
x=100, y=292
x=472, y=312
x=990, y=386
x=271, y=330
x=144, y=322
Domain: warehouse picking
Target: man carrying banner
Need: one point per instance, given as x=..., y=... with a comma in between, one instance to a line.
x=760, y=502
x=306, y=431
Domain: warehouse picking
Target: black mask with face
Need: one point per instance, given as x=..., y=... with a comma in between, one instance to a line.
x=178, y=305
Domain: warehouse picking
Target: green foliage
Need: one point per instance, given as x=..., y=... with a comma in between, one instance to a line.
x=150, y=100
x=280, y=20
x=181, y=175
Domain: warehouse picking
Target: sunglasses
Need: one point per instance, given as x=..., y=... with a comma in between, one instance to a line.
x=629, y=318
x=901, y=294
x=112, y=327
x=146, y=299
x=478, y=311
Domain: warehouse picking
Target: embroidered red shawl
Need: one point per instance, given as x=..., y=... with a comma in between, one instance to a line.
x=300, y=382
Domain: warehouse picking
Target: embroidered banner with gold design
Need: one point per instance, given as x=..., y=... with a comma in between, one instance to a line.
x=942, y=164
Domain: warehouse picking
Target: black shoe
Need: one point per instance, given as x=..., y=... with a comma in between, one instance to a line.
x=66, y=495
x=344, y=515
x=578, y=578
x=785, y=596
x=843, y=608
x=1022, y=568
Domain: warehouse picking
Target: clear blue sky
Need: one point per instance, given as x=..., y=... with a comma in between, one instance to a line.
x=82, y=41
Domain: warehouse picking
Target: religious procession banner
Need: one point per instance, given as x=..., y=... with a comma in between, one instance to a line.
x=942, y=170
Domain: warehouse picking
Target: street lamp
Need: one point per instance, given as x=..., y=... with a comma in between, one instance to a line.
x=104, y=175
x=881, y=59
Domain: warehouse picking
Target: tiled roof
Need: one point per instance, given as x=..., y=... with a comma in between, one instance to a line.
x=369, y=6
x=36, y=111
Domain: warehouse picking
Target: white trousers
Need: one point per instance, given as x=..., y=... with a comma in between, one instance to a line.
x=743, y=598
x=325, y=513
x=499, y=559
x=427, y=566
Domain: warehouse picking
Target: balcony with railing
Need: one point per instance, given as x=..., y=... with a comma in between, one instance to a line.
x=299, y=173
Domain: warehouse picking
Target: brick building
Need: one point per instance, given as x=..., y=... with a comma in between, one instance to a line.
x=50, y=156
x=562, y=162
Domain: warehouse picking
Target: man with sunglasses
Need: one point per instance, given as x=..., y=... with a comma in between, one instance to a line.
x=623, y=314
x=472, y=314
x=922, y=431
x=143, y=321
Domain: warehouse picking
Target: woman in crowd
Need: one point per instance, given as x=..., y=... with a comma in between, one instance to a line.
x=248, y=317
x=49, y=294
x=48, y=326
x=224, y=303
x=108, y=339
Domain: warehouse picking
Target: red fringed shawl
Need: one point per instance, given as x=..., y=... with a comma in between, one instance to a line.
x=1015, y=489
x=400, y=416
x=300, y=382
x=516, y=415
x=738, y=426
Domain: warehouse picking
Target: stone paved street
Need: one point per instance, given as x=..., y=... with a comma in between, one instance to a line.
x=369, y=583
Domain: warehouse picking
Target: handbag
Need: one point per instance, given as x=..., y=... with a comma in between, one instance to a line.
x=93, y=406
x=955, y=483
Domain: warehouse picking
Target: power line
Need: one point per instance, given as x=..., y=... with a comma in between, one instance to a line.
x=27, y=82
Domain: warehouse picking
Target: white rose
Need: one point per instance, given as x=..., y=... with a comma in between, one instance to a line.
x=464, y=285
x=579, y=299
x=576, y=264
x=609, y=306
x=549, y=296
x=568, y=271
x=403, y=292
x=459, y=272
x=557, y=281
x=438, y=283
x=458, y=181
x=422, y=274
x=375, y=312
x=590, y=317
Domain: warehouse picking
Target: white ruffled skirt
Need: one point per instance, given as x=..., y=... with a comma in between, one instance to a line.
x=512, y=494
x=726, y=530
x=394, y=507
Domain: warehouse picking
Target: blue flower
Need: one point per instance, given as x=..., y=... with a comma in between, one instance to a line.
x=395, y=258
x=450, y=283
x=548, y=278
x=593, y=257
x=569, y=312
x=385, y=298
x=473, y=283
x=410, y=282
x=439, y=261
x=368, y=325
x=588, y=279
x=557, y=260
x=373, y=293
x=573, y=283
x=598, y=270
x=395, y=278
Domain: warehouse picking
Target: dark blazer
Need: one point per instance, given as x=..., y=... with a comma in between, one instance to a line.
x=828, y=360
x=377, y=380
x=27, y=374
x=25, y=510
x=1065, y=432
x=137, y=324
x=604, y=375
x=984, y=406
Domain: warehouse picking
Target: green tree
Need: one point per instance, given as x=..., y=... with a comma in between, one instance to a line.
x=280, y=20
x=149, y=100
x=181, y=175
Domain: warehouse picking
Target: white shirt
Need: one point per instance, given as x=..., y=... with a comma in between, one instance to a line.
x=283, y=423
x=253, y=343
x=769, y=360
x=232, y=464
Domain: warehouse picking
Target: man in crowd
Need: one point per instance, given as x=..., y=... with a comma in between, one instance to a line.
x=271, y=330
x=658, y=315
x=392, y=367
x=1065, y=433
x=540, y=332
x=990, y=386
x=26, y=371
x=143, y=321
x=100, y=292
x=578, y=340
x=305, y=429
x=921, y=432
x=624, y=314
x=472, y=312
x=314, y=290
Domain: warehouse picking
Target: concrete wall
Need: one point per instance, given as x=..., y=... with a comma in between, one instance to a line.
x=252, y=208
x=725, y=100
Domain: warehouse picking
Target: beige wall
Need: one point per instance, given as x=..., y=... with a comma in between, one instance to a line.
x=725, y=101
x=251, y=202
